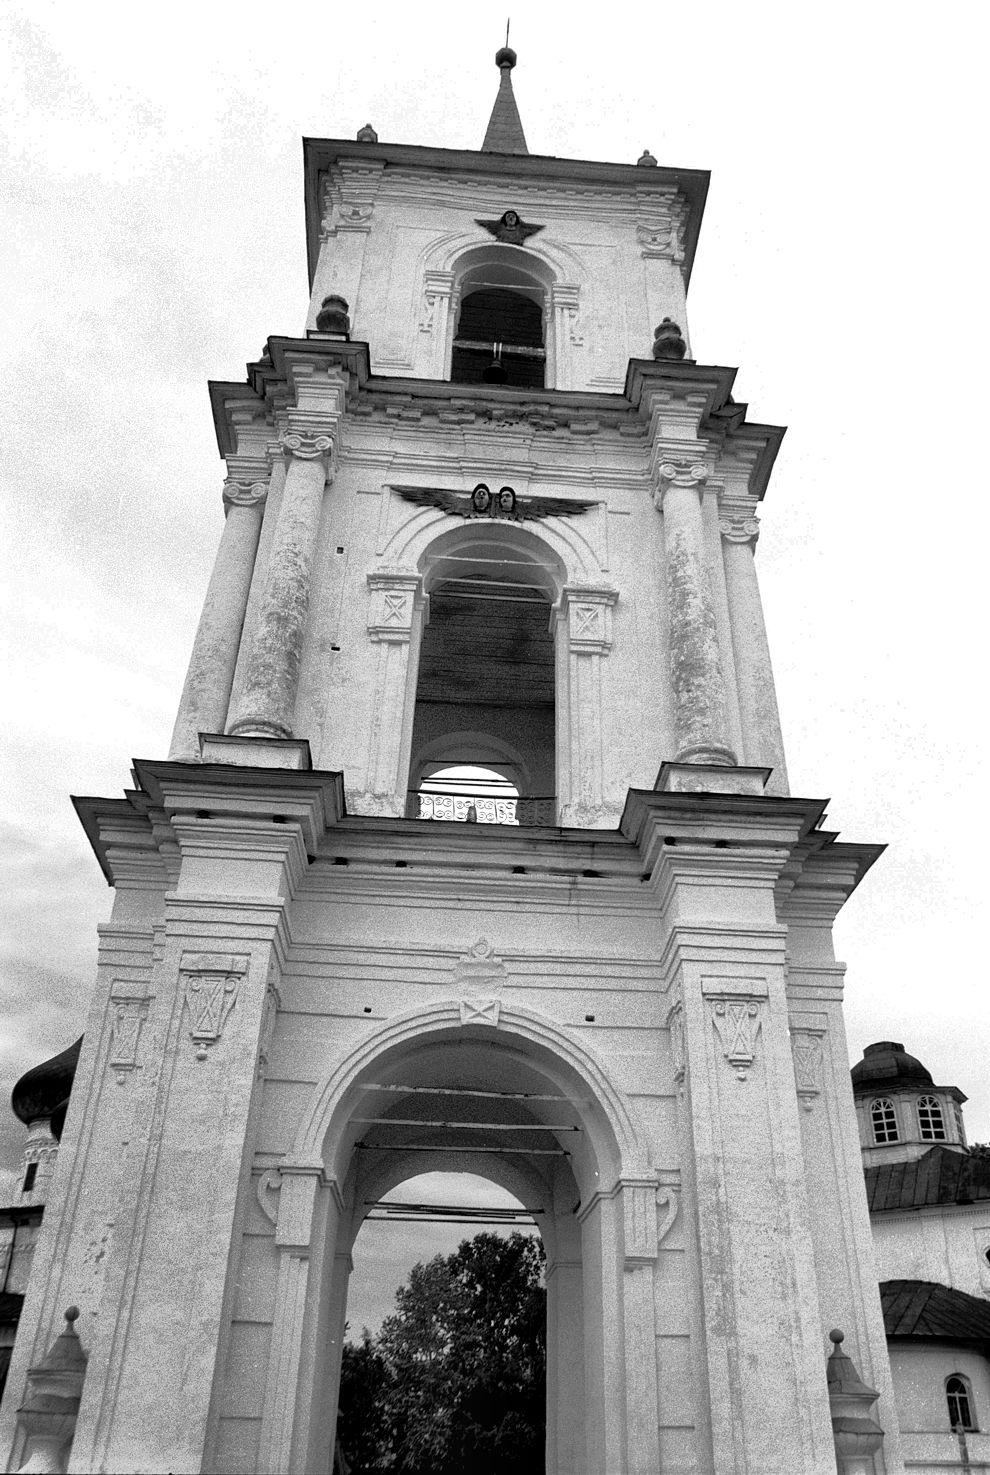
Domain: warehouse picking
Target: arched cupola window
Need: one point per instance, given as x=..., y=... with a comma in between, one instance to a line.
x=499, y=338
x=960, y=1402
x=930, y=1119
x=884, y=1121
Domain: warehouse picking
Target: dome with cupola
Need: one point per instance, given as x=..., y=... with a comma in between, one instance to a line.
x=887, y=1063
x=902, y=1113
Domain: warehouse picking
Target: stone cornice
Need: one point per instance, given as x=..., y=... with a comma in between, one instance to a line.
x=323, y=155
x=672, y=401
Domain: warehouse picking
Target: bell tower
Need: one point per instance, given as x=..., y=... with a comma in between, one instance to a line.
x=476, y=799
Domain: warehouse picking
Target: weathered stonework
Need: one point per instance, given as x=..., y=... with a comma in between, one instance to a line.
x=633, y=989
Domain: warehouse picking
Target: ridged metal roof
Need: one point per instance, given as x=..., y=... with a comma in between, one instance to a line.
x=922, y=1308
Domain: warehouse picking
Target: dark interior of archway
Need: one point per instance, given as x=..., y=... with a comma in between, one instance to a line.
x=496, y=315
x=487, y=667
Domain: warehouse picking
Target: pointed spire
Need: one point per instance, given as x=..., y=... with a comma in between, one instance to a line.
x=505, y=131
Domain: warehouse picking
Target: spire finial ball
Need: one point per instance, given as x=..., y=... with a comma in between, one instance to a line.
x=505, y=57
x=836, y=1336
x=71, y=1314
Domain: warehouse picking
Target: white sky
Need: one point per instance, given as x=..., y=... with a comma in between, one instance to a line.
x=154, y=238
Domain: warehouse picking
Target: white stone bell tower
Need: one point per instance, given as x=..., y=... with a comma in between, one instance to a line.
x=486, y=512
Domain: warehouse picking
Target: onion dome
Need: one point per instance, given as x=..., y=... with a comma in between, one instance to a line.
x=43, y=1092
x=887, y=1065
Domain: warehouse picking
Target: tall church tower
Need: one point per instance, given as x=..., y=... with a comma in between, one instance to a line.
x=487, y=512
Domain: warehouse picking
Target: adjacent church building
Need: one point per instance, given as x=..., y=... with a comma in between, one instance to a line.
x=474, y=851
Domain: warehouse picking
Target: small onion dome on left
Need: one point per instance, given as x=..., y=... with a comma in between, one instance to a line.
x=43, y=1092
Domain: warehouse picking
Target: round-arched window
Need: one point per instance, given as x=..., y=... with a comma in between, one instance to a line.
x=930, y=1119
x=960, y=1402
x=884, y=1121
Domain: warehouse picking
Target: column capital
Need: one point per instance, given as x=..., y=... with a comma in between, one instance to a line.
x=739, y=528
x=239, y=493
x=307, y=444
x=683, y=472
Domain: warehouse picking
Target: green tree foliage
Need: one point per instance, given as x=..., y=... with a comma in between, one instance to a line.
x=455, y=1381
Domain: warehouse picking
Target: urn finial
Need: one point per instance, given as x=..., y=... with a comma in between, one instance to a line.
x=668, y=342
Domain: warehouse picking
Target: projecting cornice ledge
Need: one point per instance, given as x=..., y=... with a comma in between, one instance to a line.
x=131, y=836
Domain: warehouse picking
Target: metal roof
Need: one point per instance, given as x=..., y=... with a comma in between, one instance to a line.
x=922, y=1308
x=941, y=1176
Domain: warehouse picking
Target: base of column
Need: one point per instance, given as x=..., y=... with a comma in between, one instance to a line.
x=255, y=751
x=710, y=778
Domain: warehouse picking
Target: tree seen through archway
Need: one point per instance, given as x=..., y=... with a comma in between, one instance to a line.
x=455, y=1381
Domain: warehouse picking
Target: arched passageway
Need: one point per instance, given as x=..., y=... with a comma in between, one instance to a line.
x=445, y=1360
x=464, y=1093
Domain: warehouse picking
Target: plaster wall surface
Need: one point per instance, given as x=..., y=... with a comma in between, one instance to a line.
x=948, y=1245
x=402, y=245
x=920, y=1373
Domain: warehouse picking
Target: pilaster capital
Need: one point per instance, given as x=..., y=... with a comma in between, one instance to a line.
x=586, y=611
x=739, y=528
x=396, y=594
x=438, y=283
x=660, y=238
x=565, y=295
x=348, y=198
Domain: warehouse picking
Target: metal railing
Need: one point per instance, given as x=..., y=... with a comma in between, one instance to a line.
x=483, y=809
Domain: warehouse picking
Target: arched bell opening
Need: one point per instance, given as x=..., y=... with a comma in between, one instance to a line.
x=482, y=1099
x=487, y=678
x=499, y=337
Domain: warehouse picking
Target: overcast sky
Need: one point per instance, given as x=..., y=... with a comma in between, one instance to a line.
x=153, y=238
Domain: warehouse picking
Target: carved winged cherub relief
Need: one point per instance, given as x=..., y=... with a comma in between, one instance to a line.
x=482, y=502
x=510, y=228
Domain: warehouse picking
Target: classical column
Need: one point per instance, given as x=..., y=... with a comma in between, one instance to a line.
x=206, y=694
x=267, y=700
x=762, y=738
x=695, y=662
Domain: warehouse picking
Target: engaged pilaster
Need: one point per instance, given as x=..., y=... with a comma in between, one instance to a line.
x=267, y=700
x=754, y=673
x=695, y=662
x=206, y=693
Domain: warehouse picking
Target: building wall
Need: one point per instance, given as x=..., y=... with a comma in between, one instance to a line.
x=930, y=1446
x=947, y=1244
x=394, y=243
